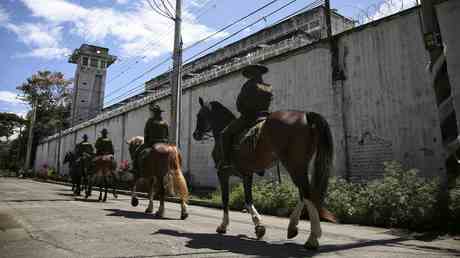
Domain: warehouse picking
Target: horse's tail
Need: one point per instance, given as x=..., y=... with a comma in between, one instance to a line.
x=323, y=164
x=180, y=185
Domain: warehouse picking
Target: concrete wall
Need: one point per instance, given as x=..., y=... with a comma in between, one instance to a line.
x=389, y=106
x=448, y=17
x=384, y=110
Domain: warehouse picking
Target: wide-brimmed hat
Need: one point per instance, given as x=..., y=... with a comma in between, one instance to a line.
x=155, y=108
x=104, y=131
x=254, y=71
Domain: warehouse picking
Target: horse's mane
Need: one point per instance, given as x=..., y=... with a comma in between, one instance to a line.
x=215, y=105
x=137, y=140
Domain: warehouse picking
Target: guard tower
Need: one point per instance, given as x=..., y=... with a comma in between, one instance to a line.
x=89, y=82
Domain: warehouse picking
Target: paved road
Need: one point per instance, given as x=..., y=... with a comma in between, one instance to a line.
x=45, y=220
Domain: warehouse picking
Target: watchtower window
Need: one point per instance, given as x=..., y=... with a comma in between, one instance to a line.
x=94, y=62
x=84, y=61
x=102, y=64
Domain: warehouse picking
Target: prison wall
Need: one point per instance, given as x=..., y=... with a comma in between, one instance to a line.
x=382, y=109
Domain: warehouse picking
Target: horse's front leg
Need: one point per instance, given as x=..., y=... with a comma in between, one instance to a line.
x=106, y=186
x=224, y=187
x=256, y=219
x=150, y=207
x=88, y=181
x=161, y=193
x=134, y=200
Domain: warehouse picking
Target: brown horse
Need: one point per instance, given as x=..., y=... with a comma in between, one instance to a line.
x=295, y=138
x=104, y=167
x=162, y=167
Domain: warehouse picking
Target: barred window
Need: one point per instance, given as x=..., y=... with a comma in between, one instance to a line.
x=84, y=61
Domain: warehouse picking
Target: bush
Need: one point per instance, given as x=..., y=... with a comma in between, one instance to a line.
x=454, y=207
x=269, y=197
x=400, y=199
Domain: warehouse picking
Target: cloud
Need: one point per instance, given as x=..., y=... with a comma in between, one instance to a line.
x=43, y=39
x=390, y=7
x=138, y=31
x=10, y=97
x=4, y=16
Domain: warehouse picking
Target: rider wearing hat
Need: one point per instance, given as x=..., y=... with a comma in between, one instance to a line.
x=156, y=130
x=253, y=103
x=103, y=144
x=84, y=147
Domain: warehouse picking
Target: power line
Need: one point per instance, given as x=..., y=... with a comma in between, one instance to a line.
x=201, y=40
x=140, y=76
x=154, y=43
x=228, y=37
x=244, y=28
x=131, y=65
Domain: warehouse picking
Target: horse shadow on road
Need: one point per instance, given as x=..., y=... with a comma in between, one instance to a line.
x=240, y=244
x=135, y=214
x=244, y=245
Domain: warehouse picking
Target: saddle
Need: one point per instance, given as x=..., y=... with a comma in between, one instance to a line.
x=247, y=140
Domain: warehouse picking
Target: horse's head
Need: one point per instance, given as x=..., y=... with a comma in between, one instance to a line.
x=134, y=143
x=203, y=120
x=212, y=116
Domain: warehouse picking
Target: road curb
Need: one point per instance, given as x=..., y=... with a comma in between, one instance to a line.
x=141, y=194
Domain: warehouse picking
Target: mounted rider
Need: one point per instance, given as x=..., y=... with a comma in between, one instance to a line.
x=104, y=146
x=84, y=147
x=253, y=103
x=156, y=130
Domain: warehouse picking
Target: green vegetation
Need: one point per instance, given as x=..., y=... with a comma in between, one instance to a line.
x=400, y=199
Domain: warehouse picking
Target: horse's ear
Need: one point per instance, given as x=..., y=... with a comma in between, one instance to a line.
x=201, y=101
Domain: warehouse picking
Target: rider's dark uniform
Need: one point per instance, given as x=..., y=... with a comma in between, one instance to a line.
x=156, y=130
x=84, y=147
x=104, y=145
x=253, y=102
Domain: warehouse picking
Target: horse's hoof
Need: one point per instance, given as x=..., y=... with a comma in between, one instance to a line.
x=183, y=216
x=292, y=232
x=159, y=214
x=134, y=202
x=312, y=244
x=115, y=196
x=221, y=230
x=149, y=210
x=104, y=200
x=260, y=231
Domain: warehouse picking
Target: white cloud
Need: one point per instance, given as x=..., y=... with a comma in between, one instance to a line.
x=43, y=39
x=4, y=16
x=388, y=7
x=10, y=97
x=138, y=30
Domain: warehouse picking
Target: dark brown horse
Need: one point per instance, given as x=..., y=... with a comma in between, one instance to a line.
x=162, y=166
x=295, y=138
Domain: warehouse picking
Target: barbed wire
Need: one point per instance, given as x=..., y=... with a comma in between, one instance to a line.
x=379, y=10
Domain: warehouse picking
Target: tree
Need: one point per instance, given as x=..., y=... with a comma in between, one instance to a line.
x=46, y=89
x=9, y=122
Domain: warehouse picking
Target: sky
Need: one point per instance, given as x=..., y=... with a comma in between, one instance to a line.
x=40, y=34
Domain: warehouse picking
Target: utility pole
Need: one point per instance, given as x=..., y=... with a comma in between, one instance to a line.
x=176, y=77
x=30, y=139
